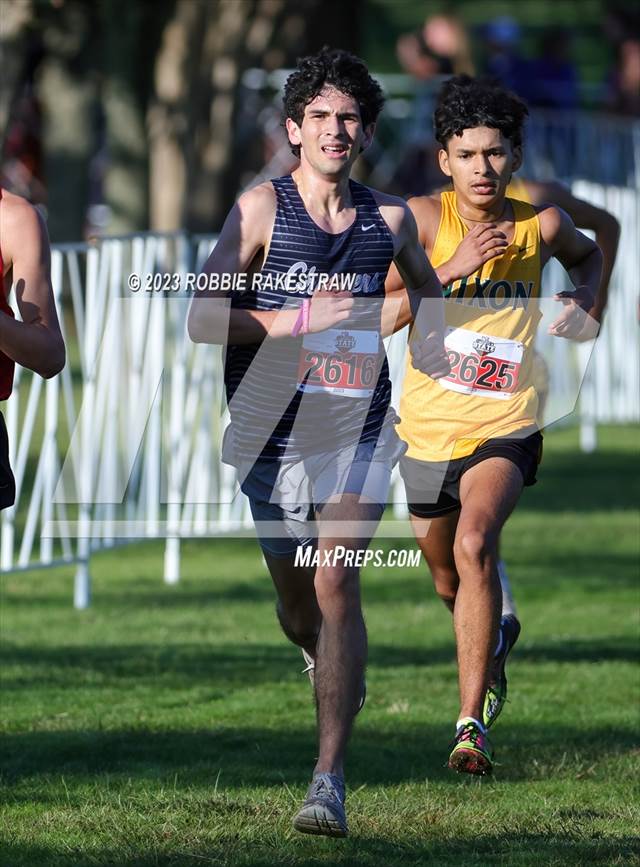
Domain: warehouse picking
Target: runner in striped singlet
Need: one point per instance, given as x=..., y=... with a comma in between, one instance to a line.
x=308, y=387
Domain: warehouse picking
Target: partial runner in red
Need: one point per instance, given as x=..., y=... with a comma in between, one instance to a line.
x=35, y=341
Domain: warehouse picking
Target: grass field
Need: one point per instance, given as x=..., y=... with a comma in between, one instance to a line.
x=172, y=726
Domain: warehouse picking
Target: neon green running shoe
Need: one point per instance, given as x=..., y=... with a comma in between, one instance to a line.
x=471, y=753
x=496, y=695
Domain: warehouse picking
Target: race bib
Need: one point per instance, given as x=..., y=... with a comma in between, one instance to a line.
x=340, y=362
x=482, y=365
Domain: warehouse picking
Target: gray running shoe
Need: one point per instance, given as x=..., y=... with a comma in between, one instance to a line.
x=311, y=670
x=323, y=810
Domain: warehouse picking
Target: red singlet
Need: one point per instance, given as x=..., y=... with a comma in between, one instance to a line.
x=7, y=365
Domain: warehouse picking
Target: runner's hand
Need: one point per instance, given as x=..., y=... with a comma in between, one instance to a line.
x=429, y=356
x=485, y=241
x=328, y=309
x=574, y=321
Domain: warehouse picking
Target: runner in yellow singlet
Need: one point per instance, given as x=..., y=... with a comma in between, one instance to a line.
x=472, y=439
x=606, y=229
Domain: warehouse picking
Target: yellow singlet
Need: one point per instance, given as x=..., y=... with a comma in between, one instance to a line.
x=517, y=190
x=492, y=317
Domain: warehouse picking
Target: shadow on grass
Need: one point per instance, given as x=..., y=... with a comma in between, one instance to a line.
x=509, y=850
x=227, y=667
x=383, y=752
x=585, y=483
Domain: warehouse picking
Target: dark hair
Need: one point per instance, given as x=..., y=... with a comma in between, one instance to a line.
x=340, y=69
x=465, y=103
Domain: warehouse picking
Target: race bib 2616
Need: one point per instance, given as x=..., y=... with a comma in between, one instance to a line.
x=341, y=362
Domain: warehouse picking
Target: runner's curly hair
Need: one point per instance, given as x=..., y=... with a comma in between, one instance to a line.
x=339, y=69
x=465, y=103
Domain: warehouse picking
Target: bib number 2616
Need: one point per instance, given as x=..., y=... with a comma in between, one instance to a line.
x=344, y=362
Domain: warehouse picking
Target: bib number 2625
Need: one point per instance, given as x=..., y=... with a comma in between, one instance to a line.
x=482, y=365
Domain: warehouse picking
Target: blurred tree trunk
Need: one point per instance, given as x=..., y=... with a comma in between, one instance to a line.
x=15, y=22
x=168, y=114
x=155, y=88
x=123, y=103
x=237, y=39
x=68, y=89
x=131, y=41
x=199, y=151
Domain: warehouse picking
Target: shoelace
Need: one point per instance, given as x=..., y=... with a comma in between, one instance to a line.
x=323, y=785
x=470, y=732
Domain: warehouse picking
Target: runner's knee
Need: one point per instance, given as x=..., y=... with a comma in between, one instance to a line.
x=297, y=624
x=337, y=585
x=473, y=548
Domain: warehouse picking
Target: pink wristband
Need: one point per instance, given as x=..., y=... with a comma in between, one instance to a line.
x=302, y=322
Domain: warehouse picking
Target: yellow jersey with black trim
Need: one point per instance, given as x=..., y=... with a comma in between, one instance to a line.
x=491, y=319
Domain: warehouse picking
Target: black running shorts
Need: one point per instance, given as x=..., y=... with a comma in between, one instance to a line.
x=7, y=482
x=433, y=487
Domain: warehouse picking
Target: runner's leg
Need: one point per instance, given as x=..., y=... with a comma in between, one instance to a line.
x=435, y=538
x=342, y=643
x=488, y=493
x=297, y=606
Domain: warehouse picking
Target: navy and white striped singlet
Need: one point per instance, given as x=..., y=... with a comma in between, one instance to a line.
x=270, y=412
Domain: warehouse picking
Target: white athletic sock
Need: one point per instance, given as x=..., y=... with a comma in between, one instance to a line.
x=466, y=719
x=508, y=605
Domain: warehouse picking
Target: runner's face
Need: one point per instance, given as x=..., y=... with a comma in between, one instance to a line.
x=480, y=163
x=331, y=134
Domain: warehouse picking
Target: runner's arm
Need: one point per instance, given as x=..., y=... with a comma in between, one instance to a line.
x=396, y=312
x=244, y=235
x=425, y=300
x=582, y=260
x=397, y=309
x=585, y=216
x=36, y=342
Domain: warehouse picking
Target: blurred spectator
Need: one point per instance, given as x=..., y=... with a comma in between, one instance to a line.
x=22, y=160
x=552, y=80
x=503, y=59
x=414, y=57
x=22, y=164
x=447, y=38
x=439, y=49
x=625, y=82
